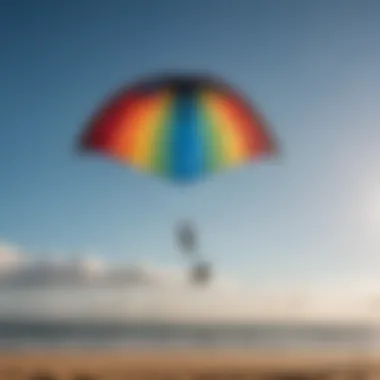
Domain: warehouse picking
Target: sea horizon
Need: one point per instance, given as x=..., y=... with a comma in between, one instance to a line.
x=19, y=334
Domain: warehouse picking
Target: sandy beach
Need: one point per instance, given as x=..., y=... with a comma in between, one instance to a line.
x=185, y=364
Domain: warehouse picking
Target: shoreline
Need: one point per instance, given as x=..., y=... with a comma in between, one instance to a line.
x=180, y=362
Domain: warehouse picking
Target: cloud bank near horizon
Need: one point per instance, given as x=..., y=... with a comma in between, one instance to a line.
x=18, y=271
x=93, y=289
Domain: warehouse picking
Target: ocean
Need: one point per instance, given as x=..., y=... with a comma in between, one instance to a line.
x=19, y=335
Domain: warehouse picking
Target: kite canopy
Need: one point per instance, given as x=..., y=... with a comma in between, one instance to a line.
x=179, y=127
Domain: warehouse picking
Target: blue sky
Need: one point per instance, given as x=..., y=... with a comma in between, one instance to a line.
x=313, y=69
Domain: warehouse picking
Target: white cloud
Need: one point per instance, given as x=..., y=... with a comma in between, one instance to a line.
x=92, y=289
x=17, y=272
x=10, y=257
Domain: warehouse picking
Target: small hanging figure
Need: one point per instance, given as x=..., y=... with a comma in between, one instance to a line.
x=201, y=273
x=187, y=238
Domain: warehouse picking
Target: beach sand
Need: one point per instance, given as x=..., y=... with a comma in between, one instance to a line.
x=185, y=364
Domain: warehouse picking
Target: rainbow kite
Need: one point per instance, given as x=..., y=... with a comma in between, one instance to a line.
x=178, y=127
